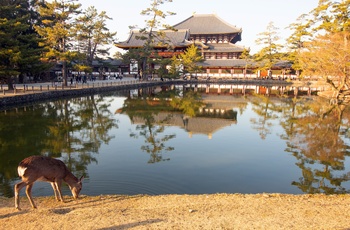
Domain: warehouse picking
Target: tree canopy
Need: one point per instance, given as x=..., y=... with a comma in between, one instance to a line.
x=322, y=44
x=92, y=35
x=19, y=43
x=271, y=49
x=58, y=31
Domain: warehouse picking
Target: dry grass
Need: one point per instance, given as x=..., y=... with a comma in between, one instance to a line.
x=217, y=211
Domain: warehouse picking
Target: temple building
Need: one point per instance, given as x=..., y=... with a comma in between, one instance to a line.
x=215, y=38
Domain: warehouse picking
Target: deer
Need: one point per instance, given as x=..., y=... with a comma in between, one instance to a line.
x=43, y=168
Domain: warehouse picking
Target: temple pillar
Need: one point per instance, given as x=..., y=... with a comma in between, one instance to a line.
x=296, y=90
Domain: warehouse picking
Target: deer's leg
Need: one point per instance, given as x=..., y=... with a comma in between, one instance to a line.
x=29, y=194
x=18, y=188
x=55, y=190
x=57, y=184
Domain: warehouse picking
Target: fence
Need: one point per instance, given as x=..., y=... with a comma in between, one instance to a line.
x=44, y=87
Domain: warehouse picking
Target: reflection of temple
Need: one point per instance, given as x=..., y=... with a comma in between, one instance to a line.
x=216, y=115
x=222, y=101
x=193, y=125
x=237, y=89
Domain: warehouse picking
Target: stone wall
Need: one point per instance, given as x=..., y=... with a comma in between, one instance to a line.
x=28, y=98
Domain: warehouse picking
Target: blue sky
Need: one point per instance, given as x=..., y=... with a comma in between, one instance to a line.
x=252, y=16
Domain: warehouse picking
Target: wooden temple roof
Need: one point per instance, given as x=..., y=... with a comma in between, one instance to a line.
x=207, y=24
x=225, y=63
x=240, y=63
x=172, y=38
x=224, y=48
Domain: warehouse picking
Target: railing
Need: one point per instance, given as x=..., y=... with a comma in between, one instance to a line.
x=20, y=89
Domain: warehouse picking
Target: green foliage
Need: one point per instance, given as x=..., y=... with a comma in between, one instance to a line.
x=57, y=30
x=296, y=40
x=188, y=104
x=92, y=35
x=246, y=56
x=190, y=59
x=319, y=43
x=176, y=68
x=162, y=64
x=154, y=23
x=186, y=62
x=19, y=50
x=270, y=52
x=331, y=16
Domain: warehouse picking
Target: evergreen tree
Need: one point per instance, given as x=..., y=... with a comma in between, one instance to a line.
x=93, y=35
x=296, y=41
x=270, y=52
x=58, y=31
x=246, y=56
x=19, y=43
x=149, y=31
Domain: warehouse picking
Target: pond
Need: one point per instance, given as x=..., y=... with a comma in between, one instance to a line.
x=184, y=139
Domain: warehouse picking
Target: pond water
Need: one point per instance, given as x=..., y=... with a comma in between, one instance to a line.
x=184, y=140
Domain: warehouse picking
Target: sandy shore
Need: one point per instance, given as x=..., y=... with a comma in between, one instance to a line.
x=216, y=211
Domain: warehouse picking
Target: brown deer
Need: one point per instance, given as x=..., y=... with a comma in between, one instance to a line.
x=48, y=169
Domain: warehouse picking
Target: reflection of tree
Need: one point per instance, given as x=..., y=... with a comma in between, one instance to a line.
x=81, y=125
x=317, y=141
x=155, y=144
x=266, y=110
x=146, y=109
x=189, y=103
x=58, y=129
x=21, y=135
x=148, y=106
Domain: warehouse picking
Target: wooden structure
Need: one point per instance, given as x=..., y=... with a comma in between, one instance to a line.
x=216, y=40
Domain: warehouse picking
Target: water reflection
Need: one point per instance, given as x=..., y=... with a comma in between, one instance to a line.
x=143, y=112
x=317, y=135
x=72, y=129
x=312, y=130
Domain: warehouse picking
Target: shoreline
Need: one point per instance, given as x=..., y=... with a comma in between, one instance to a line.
x=29, y=93
x=206, y=211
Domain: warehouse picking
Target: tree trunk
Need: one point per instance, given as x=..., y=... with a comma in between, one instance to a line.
x=64, y=73
x=10, y=84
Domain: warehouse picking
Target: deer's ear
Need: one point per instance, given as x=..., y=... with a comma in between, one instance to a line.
x=81, y=178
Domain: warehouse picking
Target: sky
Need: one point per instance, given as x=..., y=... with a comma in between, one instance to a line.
x=252, y=16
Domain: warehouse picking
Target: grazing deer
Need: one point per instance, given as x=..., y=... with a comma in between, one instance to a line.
x=48, y=169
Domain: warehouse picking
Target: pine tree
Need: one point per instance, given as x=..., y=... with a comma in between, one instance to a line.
x=150, y=30
x=270, y=52
x=58, y=31
x=19, y=43
x=297, y=39
x=92, y=35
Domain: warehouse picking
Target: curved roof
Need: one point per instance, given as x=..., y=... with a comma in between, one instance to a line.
x=226, y=63
x=168, y=37
x=224, y=47
x=207, y=24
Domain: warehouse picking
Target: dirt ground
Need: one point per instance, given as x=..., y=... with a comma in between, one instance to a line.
x=216, y=211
